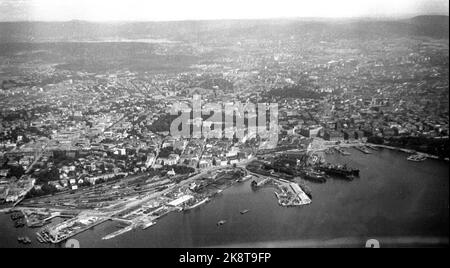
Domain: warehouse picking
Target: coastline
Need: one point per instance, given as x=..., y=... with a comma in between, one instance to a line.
x=322, y=145
x=408, y=151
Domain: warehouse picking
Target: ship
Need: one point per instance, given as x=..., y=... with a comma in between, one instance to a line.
x=245, y=212
x=19, y=223
x=339, y=171
x=24, y=240
x=39, y=239
x=244, y=179
x=17, y=216
x=220, y=223
x=317, y=177
x=417, y=158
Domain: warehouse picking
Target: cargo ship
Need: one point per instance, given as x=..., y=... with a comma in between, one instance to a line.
x=312, y=176
x=339, y=171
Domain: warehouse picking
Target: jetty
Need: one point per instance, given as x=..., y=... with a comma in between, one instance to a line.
x=119, y=232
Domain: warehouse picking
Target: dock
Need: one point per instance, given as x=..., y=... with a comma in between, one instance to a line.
x=362, y=149
x=61, y=238
x=342, y=152
x=372, y=148
x=292, y=195
x=120, y=232
x=148, y=225
x=304, y=199
x=260, y=183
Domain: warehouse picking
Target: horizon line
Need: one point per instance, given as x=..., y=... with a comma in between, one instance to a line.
x=375, y=17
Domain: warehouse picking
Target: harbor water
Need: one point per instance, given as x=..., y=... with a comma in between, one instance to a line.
x=398, y=202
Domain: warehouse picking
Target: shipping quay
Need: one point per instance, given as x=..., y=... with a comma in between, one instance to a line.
x=119, y=232
x=291, y=194
x=288, y=193
x=69, y=228
x=142, y=210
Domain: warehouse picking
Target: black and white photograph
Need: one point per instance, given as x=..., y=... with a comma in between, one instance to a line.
x=245, y=124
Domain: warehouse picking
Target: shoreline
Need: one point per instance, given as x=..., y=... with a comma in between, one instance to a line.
x=409, y=151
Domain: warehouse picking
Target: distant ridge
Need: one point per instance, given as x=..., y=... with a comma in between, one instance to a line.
x=435, y=26
x=431, y=25
x=430, y=19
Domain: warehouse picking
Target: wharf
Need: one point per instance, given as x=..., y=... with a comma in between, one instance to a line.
x=120, y=232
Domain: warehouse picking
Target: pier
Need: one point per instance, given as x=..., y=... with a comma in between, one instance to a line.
x=362, y=149
x=58, y=238
x=119, y=232
x=292, y=195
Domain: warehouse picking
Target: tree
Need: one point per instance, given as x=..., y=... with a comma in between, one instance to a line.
x=47, y=176
x=375, y=140
x=49, y=189
x=15, y=171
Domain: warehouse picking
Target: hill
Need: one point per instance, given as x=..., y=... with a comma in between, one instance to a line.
x=430, y=26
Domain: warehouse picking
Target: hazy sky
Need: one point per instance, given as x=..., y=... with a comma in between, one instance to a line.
x=149, y=10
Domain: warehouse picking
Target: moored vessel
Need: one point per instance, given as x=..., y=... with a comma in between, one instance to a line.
x=417, y=158
x=245, y=211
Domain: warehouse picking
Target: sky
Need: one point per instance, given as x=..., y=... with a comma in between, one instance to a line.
x=163, y=10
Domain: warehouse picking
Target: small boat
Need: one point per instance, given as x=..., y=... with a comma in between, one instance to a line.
x=343, y=152
x=244, y=179
x=27, y=240
x=417, y=158
x=39, y=239
x=24, y=240
x=245, y=212
x=220, y=223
